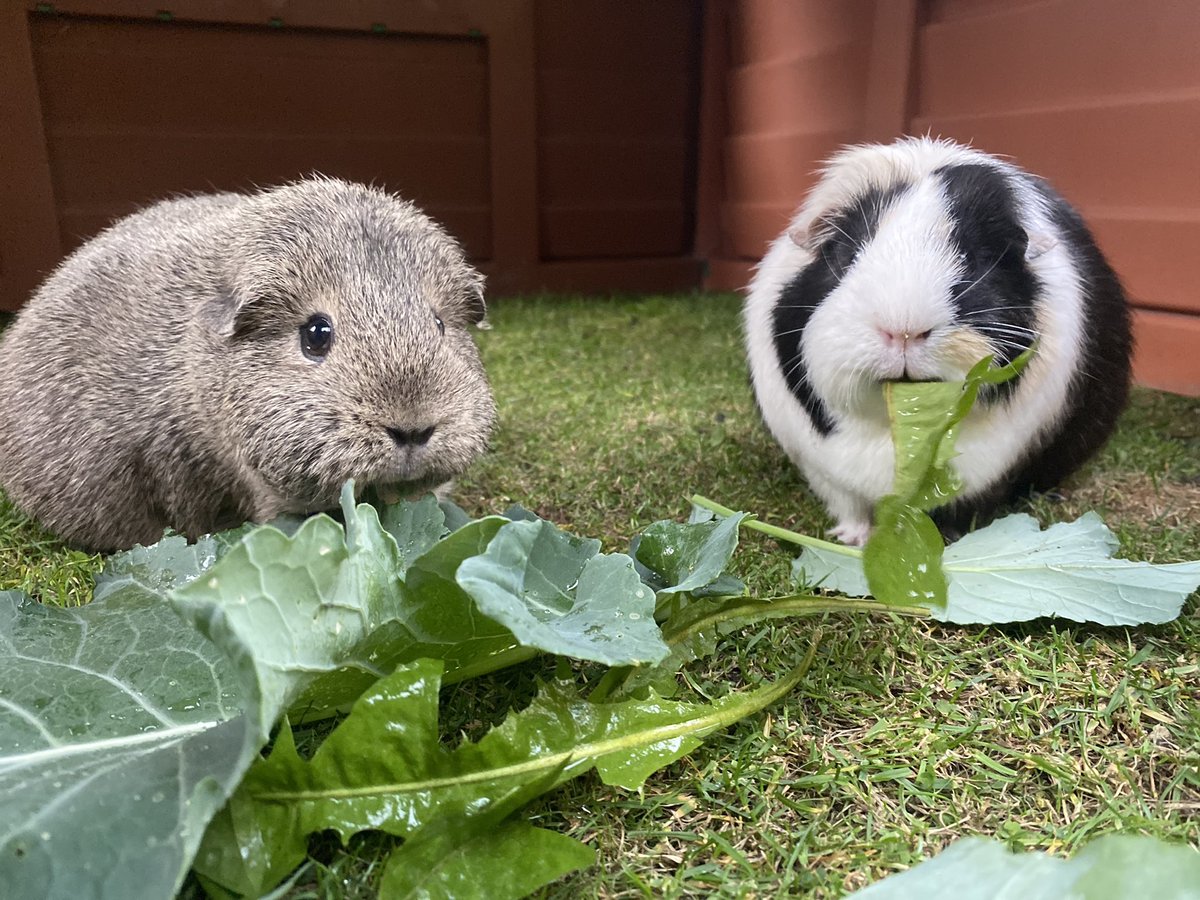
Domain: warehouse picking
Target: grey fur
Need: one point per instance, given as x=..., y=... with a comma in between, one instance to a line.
x=156, y=378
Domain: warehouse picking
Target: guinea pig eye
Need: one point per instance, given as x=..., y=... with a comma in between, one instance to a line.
x=440, y=324
x=316, y=336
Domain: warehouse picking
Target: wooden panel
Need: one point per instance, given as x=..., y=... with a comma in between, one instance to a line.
x=813, y=93
x=440, y=18
x=617, y=99
x=950, y=10
x=1103, y=98
x=1098, y=49
x=795, y=92
x=139, y=110
x=660, y=274
x=1167, y=354
x=1140, y=154
x=753, y=226
x=1157, y=256
x=778, y=168
x=29, y=241
x=766, y=32
x=616, y=231
x=891, y=74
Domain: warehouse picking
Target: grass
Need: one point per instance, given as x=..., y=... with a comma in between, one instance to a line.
x=906, y=734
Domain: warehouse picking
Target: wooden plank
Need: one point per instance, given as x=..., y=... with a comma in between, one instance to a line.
x=29, y=233
x=1057, y=54
x=752, y=226
x=613, y=39
x=891, y=83
x=661, y=275
x=614, y=169
x=1167, y=353
x=1118, y=154
x=713, y=125
x=444, y=17
x=509, y=26
x=767, y=30
x=778, y=168
x=576, y=103
x=1157, y=255
x=598, y=231
x=817, y=93
x=182, y=76
x=725, y=274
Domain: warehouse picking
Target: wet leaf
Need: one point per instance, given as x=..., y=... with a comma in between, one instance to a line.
x=1011, y=571
x=558, y=593
x=902, y=553
x=1114, y=867
x=384, y=767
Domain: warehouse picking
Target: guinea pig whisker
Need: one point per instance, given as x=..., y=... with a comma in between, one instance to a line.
x=794, y=366
x=790, y=331
x=968, y=288
x=832, y=271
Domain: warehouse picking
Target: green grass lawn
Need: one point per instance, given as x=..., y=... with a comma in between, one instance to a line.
x=906, y=734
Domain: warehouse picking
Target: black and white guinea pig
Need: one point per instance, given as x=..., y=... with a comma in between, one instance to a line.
x=912, y=261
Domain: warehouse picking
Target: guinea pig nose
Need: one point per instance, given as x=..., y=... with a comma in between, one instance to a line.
x=903, y=338
x=411, y=437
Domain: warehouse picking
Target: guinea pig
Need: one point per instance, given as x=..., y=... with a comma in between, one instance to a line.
x=230, y=357
x=913, y=261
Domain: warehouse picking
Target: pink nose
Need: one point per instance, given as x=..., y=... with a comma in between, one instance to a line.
x=903, y=339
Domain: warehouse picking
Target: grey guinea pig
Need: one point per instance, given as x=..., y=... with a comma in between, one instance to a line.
x=228, y=357
x=914, y=260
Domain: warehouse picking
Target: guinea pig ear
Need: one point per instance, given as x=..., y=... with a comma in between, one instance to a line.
x=474, y=303
x=801, y=236
x=1040, y=242
x=227, y=314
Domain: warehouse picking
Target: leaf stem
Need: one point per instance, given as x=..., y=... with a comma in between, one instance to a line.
x=791, y=606
x=714, y=716
x=792, y=537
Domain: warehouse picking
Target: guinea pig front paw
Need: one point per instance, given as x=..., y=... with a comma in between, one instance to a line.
x=852, y=533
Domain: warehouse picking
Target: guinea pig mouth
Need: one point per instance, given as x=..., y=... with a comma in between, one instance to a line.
x=395, y=491
x=908, y=379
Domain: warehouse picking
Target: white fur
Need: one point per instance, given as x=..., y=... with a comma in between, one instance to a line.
x=901, y=283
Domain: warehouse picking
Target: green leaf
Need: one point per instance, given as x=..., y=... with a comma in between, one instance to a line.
x=923, y=416
x=1011, y=571
x=556, y=592
x=904, y=550
x=483, y=856
x=502, y=862
x=1115, y=867
x=416, y=526
x=115, y=712
x=677, y=558
x=902, y=561
x=385, y=768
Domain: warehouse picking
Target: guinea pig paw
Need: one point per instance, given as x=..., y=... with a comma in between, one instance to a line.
x=852, y=533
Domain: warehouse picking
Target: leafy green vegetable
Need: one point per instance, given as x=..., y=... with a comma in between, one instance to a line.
x=1115, y=867
x=487, y=855
x=690, y=558
x=555, y=592
x=384, y=768
x=902, y=561
x=1011, y=571
x=120, y=711
x=902, y=555
x=115, y=712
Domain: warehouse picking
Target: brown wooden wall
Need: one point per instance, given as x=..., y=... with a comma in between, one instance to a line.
x=556, y=140
x=1100, y=96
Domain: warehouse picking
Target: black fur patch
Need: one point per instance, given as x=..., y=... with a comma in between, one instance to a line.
x=841, y=237
x=1097, y=393
x=997, y=291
